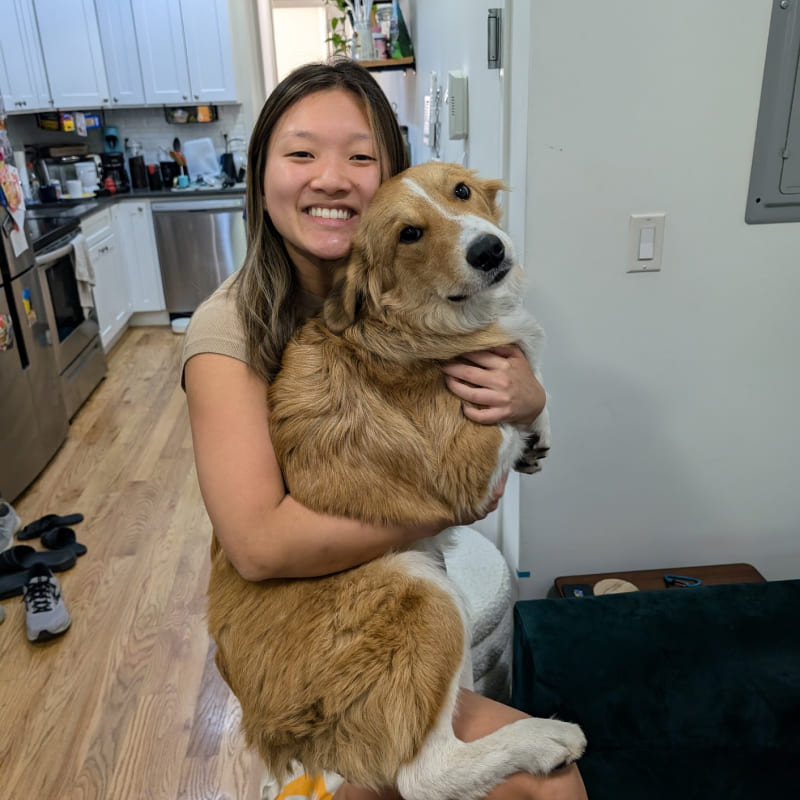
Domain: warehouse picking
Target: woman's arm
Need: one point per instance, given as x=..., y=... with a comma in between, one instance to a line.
x=263, y=531
x=496, y=385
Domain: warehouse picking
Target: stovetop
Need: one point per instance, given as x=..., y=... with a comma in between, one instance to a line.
x=43, y=231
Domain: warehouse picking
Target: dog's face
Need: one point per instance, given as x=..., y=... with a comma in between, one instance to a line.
x=429, y=248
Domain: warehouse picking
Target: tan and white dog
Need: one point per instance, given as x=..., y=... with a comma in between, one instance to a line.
x=358, y=672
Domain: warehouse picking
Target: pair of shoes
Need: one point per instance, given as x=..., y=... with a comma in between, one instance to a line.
x=9, y=524
x=47, y=523
x=17, y=561
x=46, y=616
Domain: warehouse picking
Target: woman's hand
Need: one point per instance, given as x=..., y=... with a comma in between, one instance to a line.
x=496, y=385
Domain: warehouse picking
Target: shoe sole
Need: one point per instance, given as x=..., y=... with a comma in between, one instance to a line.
x=46, y=636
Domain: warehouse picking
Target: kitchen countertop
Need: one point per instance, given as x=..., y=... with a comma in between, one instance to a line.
x=63, y=207
x=46, y=222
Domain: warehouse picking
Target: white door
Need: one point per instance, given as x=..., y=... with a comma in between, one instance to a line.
x=120, y=53
x=159, y=32
x=72, y=53
x=207, y=35
x=23, y=81
x=464, y=49
x=496, y=144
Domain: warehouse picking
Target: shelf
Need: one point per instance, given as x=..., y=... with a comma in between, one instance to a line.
x=389, y=64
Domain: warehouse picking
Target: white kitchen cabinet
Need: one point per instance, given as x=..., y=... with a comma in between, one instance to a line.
x=207, y=34
x=72, y=53
x=112, y=295
x=133, y=226
x=120, y=53
x=185, y=51
x=23, y=80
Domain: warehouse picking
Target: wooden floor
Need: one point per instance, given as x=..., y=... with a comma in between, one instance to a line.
x=127, y=703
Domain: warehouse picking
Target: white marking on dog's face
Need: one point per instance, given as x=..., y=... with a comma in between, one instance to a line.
x=467, y=280
x=471, y=225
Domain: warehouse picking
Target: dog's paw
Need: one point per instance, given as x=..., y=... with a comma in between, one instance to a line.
x=553, y=744
x=537, y=446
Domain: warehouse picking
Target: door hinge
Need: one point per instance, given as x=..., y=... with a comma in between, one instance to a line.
x=494, y=35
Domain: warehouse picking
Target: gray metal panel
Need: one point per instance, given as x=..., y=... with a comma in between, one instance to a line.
x=197, y=250
x=774, y=193
x=790, y=175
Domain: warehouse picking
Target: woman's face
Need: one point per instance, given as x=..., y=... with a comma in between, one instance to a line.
x=321, y=172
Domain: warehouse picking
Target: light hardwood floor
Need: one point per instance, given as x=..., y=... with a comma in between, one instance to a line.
x=128, y=702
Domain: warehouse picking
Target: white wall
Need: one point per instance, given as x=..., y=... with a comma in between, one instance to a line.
x=675, y=397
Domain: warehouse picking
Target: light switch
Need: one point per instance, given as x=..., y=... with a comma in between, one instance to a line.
x=645, y=242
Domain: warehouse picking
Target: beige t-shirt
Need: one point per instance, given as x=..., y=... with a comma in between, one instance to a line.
x=216, y=327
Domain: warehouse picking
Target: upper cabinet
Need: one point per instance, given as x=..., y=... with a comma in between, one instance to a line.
x=72, y=53
x=185, y=51
x=23, y=80
x=120, y=53
x=82, y=54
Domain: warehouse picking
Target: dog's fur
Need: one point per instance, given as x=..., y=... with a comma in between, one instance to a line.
x=358, y=672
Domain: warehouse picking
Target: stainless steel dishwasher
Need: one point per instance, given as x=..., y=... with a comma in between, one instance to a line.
x=200, y=243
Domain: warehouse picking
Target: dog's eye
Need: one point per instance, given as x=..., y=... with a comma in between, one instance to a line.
x=410, y=234
x=462, y=191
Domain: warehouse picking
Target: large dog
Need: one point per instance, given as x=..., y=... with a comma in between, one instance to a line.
x=358, y=672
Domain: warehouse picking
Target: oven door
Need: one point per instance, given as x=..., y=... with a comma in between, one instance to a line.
x=72, y=329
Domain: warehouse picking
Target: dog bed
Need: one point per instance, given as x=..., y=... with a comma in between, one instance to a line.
x=481, y=573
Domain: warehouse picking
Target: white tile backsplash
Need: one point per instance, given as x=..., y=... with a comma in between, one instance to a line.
x=144, y=125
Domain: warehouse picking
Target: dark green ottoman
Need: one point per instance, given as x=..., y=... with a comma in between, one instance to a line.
x=682, y=693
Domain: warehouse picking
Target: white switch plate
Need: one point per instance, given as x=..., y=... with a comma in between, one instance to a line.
x=639, y=248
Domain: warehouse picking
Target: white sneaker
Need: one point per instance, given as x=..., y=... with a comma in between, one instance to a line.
x=46, y=616
x=9, y=524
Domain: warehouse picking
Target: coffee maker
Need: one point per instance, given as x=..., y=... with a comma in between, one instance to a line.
x=114, y=169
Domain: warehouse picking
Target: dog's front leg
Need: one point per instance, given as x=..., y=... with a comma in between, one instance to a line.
x=448, y=769
x=537, y=443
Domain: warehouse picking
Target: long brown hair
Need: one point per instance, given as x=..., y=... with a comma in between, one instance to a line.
x=267, y=283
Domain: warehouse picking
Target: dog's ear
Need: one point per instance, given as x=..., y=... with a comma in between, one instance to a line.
x=490, y=187
x=344, y=301
x=358, y=287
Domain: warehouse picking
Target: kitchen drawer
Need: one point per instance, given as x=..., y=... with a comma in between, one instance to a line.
x=97, y=226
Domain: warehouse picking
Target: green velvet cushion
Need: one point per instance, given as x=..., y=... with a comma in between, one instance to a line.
x=690, y=692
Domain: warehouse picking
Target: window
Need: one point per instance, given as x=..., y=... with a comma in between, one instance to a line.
x=774, y=194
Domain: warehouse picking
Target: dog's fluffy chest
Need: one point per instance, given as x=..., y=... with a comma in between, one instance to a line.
x=394, y=430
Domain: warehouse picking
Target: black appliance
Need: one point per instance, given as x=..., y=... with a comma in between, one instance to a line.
x=34, y=421
x=113, y=165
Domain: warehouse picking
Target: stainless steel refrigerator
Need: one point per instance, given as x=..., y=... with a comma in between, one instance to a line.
x=33, y=417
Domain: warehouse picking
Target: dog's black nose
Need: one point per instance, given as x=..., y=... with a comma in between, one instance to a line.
x=486, y=252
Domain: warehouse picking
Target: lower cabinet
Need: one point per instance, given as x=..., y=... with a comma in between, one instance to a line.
x=111, y=292
x=133, y=225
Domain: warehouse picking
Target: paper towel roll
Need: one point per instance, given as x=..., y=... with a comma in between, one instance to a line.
x=22, y=167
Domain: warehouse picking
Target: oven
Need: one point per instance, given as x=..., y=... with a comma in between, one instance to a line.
x=74, y=330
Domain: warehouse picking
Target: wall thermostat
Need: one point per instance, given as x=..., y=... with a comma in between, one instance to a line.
x=457, y=110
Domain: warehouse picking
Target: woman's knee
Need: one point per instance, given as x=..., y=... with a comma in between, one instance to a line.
x=565, y=784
